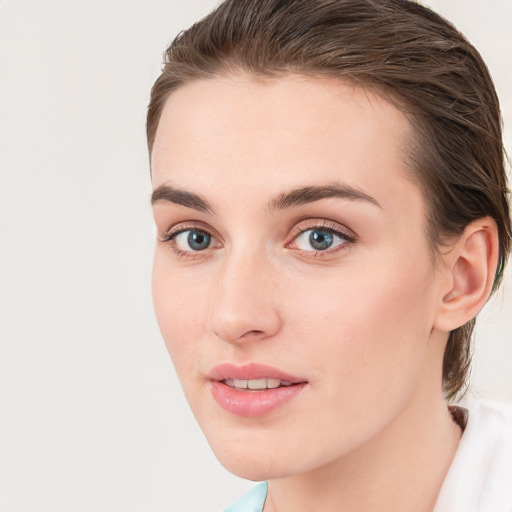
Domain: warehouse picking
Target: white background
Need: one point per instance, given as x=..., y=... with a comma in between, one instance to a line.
x=91, y=414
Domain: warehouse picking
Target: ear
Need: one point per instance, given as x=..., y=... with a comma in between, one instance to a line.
x=470, y=268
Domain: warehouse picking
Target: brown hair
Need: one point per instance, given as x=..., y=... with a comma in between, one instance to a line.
x=410, y=55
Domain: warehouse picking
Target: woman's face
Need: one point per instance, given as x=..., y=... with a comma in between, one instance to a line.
x=292, y=281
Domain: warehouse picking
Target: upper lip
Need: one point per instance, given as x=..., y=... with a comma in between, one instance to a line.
x=250, y=371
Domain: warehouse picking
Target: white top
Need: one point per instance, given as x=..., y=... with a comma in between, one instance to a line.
x=480, y=476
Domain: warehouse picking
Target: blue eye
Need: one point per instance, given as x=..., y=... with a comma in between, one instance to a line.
x=319, y=240
x=192, y=240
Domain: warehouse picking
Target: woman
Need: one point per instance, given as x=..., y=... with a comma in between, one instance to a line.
x=330, y=201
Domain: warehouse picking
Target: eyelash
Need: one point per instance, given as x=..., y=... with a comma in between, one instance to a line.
x=170, y=239
x=347, y=239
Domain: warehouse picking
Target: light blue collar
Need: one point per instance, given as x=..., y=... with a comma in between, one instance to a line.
x=253, y=501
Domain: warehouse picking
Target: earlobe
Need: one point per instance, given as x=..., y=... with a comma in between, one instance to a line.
x=471, y=267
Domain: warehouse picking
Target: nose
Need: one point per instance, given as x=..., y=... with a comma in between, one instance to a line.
x=244, y=307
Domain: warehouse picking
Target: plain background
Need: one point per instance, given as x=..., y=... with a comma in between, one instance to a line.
x=91, y=414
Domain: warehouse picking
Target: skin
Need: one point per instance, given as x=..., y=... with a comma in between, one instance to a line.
x=364, y=323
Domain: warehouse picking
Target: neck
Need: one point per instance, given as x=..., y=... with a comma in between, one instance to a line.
x=399, y=470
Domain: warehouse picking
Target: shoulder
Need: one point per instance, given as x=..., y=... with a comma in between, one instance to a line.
x=480, y=477
x=253, y=501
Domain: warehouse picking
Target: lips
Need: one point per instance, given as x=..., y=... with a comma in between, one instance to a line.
x=249, y=372
x=253, y=390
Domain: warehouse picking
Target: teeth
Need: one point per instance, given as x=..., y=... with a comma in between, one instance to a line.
x=240, y=383
x=256, y=383
x=273, y=383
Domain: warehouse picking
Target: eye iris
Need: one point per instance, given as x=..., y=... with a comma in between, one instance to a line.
x=198, y=240
x=320, y=240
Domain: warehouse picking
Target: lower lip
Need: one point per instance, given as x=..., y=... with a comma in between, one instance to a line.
x=253, y=403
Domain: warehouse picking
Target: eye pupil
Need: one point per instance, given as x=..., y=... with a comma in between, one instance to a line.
x=198, y=240
x=320, y=240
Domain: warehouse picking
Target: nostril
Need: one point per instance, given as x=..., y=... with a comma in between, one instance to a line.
x=248, y=334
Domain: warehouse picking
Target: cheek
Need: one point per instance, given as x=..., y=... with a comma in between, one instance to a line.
x=365, y=341
x=366, y=325
x=181, y=309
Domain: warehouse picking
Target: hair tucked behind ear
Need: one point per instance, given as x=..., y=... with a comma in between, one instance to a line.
x=412, y=57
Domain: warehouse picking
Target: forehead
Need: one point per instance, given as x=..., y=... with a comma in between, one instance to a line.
x=280, y=133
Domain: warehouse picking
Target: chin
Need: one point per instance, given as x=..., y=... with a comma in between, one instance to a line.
x=250, y=448
x=249, y=472
x=252, y=468
x=257, y=459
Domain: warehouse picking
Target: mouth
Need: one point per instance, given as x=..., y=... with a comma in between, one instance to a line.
x=256, y=384
x=252, y=376
x=253, y=390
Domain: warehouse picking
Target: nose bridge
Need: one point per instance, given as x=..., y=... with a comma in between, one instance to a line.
x=244, y=306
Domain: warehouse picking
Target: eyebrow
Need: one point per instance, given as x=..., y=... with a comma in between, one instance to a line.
x=181, y=197
x=306, y=195
x=296, y=197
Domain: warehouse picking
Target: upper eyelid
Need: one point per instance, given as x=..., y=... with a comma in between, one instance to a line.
x=327, y=225
x=176, y=229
